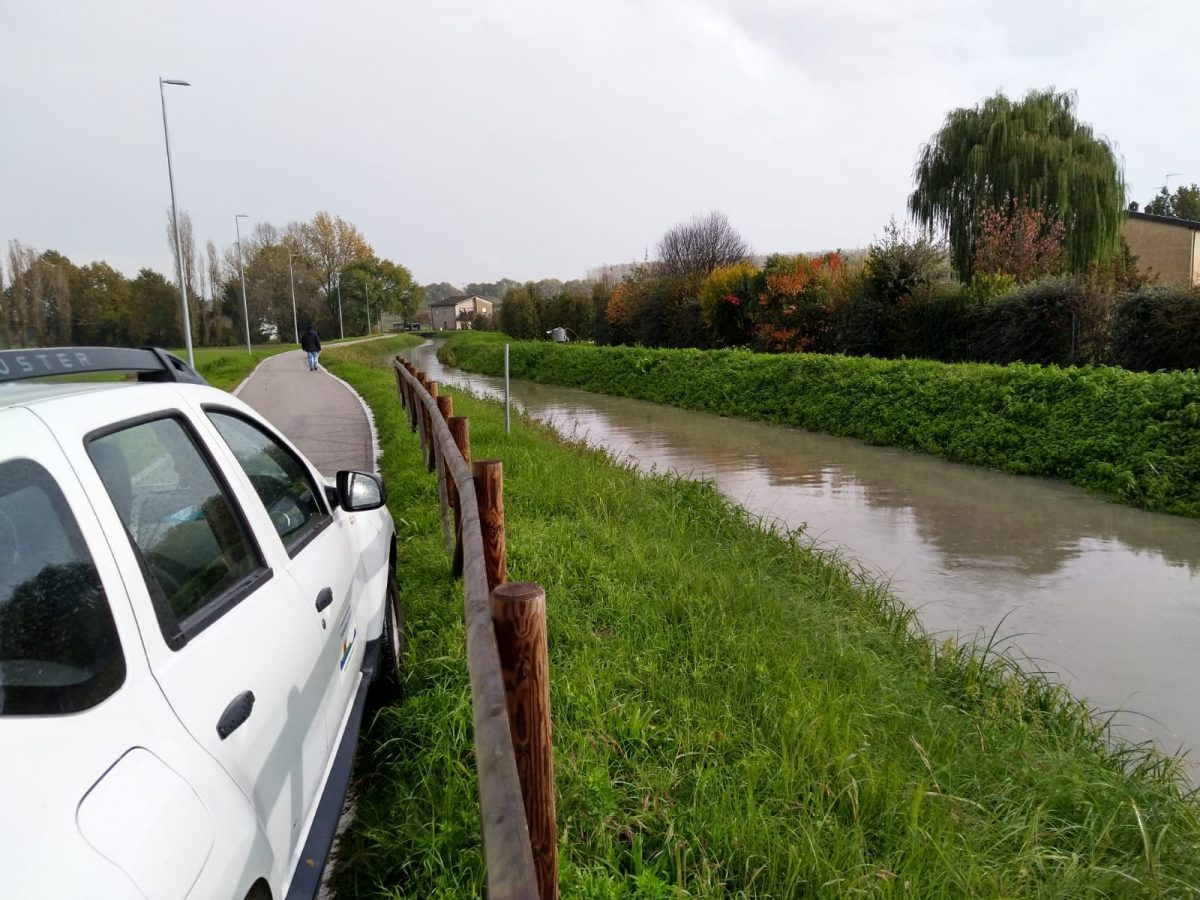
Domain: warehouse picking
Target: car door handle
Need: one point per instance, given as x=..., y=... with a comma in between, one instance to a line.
x=324, y=599
x=237, y=712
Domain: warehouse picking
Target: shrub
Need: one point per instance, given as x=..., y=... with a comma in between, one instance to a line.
x=725, y=299
x=1130, y=434
x=795, y=309
x=1158, y=328
x=1057, y=321
x=1020, y=241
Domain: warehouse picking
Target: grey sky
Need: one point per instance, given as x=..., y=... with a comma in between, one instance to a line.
x=472, y=141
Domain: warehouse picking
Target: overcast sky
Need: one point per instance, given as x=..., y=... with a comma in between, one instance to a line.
x=472, y=141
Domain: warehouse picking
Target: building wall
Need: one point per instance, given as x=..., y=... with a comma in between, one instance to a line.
x=446, y=318
x=1195, y=258
x=1166, y=251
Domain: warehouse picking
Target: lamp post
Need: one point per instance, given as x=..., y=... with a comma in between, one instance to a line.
x=367, y=286
x=292, y=279
x=241, y=271
x=187, y=319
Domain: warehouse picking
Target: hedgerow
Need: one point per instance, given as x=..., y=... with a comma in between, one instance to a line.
x=1132, y=435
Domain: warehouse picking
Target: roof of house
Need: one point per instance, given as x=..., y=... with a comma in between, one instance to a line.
x=457, y=299
x=1165, y=220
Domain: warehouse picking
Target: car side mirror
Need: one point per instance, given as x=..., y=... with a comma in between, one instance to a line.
x=359, y=492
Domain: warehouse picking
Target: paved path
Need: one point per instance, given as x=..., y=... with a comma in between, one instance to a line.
x=316, y=411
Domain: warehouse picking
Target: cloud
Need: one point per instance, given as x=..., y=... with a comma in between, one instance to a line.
x=471, y=141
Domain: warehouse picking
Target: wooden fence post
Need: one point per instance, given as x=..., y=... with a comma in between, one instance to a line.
x=400, y=388
x=422, y=416
x=446, y=408
x=411, y=395
x=462, y=439
x=432, y=387
x=489, y=492
x=519, y=617
x=446, y=487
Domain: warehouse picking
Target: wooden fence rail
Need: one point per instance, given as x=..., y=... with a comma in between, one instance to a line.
x=516, y=785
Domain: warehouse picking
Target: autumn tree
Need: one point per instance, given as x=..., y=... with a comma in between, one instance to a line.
x=1032, y=149
x=726, y=298
x=1019, y=241
x=330, y=244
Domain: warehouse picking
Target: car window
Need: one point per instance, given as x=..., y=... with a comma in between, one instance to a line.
x=193, y=544
x=280, y=480
x=59, y=651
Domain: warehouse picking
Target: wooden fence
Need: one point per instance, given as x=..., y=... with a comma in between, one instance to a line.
x=506, y=652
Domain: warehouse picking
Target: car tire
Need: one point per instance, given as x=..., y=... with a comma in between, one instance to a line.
x=388, y=685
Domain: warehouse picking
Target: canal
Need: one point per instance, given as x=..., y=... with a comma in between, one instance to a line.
x=1103, y=598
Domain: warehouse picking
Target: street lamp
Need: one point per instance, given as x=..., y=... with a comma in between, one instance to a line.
x=242, y=272
x=187, y=319
x=292, y=279
x=367, y=286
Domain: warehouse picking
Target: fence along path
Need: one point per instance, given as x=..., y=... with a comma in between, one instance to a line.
x=509, y=679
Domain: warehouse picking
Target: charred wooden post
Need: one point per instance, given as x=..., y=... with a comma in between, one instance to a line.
x=519, y=618
x=489, y=493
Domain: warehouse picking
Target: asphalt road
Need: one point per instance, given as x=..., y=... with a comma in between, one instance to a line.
x=319, y=413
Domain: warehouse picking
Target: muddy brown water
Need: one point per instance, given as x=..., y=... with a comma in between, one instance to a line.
x=1102, y=597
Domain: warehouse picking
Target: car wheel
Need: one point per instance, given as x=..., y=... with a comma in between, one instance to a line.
x=389, y=676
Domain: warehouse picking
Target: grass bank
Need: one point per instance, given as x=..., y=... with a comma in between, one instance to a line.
x=227, y=367
x=734, y=715
x=1131, y=435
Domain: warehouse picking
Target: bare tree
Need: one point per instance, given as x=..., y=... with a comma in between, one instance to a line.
x=188, y=243
x=213, y=270
x=26, y=313
x=4, y=341
x=701, y=245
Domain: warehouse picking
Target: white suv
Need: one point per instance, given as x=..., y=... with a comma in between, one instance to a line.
x=190, y=617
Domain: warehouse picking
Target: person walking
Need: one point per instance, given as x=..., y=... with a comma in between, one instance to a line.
x=310, y=343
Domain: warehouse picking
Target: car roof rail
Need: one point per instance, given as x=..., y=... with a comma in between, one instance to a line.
x=149, y=363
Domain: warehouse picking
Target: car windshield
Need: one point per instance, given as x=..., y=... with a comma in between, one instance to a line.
x=59, y=651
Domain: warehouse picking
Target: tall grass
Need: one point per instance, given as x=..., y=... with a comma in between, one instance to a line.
x=735, y=715
x=1132, y=435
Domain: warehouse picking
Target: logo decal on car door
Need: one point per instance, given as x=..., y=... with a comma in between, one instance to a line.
x=347, y=646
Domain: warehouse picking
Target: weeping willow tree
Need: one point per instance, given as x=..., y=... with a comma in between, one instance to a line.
x=1032, y=149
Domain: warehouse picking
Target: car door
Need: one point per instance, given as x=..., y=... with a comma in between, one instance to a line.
x=322, y=561
x=239, y=660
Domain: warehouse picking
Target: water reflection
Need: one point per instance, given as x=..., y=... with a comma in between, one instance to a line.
x=1104, y=596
